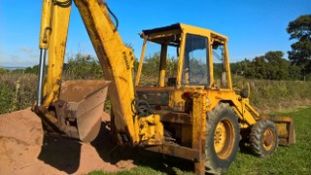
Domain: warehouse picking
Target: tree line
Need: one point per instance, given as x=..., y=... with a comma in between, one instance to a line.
x=272, y=65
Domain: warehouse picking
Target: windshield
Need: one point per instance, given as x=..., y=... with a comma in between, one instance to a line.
x=195, y=69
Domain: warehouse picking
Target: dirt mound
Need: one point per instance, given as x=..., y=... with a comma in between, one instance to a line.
x=26, y=149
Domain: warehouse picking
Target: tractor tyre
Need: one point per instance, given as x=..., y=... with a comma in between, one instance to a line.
x=263, y=138
x=222, y=141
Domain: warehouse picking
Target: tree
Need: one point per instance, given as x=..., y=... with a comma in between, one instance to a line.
x=277, y=68
x=270, y=66
x=300, y=55
x=2, y=71
x=83, y=67
x=33, y=70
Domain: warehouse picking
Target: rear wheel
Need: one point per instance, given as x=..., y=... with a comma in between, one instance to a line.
x=223, y=136
x=264, y=138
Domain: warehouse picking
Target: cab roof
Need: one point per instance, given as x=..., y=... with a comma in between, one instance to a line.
x=186, y=28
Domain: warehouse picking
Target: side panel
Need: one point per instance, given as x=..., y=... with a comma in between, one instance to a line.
x=242, y=107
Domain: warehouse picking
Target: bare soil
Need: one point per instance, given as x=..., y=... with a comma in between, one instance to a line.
x=26, y=148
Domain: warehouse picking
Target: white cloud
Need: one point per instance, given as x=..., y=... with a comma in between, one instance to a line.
x=21, y=57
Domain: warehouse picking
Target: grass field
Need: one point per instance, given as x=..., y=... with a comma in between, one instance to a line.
x=18, y=91
x=295, y=159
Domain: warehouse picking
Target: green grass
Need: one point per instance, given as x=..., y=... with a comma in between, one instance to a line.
x=135, y=171
x=295, y=159
x=141, y=170
x=17, y=91
x=269, y=95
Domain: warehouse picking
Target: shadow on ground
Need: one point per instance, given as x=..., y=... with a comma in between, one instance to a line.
x=64, y=153
x=61, y=153
x=112, y=153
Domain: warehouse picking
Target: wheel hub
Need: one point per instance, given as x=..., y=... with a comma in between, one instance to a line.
x=268, y=137
x=223, y=139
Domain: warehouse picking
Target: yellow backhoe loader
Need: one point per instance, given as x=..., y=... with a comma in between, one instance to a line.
x=192, y=113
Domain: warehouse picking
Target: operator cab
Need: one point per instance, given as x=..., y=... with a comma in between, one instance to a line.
x=179, y=59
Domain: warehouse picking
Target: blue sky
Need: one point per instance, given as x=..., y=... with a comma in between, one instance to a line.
x=253, y=27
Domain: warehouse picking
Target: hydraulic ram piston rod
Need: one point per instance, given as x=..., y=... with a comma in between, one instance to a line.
x=41, y=76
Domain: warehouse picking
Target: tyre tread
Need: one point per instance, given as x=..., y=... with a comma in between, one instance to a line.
x=210, y=166
x=256, y=137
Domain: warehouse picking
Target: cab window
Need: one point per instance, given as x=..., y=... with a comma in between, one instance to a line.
x=220, y=74
x=195, y=67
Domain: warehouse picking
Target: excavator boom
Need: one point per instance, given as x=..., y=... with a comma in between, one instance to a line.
x=115, y=58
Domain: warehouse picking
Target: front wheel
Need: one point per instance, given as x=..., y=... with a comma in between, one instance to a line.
x=264, y=138
x=222, y=142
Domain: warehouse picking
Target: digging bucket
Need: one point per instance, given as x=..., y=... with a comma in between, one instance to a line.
x=80, y=108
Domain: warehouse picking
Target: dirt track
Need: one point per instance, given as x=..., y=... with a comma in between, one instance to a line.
x=26, y=149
